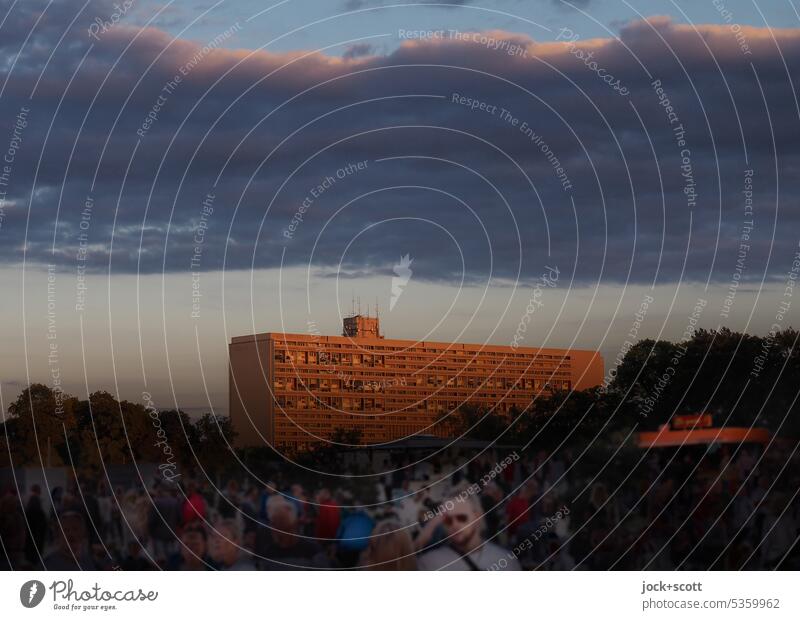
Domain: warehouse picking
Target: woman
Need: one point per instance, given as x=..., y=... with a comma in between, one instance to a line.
x=390, y=548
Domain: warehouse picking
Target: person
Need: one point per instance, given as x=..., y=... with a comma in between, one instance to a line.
x=88, y=501
x=226, y=547
x=464, y=547
x=72, y=546
x=298, y=498
x=134, y=526
x=779, y=532
x=163, y=523
x=116, y=528
x=353, y=536
x=195, y=505
x=12, y=534
x=328, y=516
x=490, y=497
x=268, y=491
x=390, y=548
x=228, y=502
x=135, y=560
x=193, y=553
x=517, y=510
x=279, y=547
x=37, y=525
x=409, y=506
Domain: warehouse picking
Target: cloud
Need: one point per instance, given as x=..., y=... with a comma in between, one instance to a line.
x=348, y=162
x=357, y=50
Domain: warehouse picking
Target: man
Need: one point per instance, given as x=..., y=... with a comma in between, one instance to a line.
x=328, y=516
x=195, y=505
x=353, y=536
x=517, y=510
x=37, y=524
x=464, y=547
x=279, y=547
x=135, y=560
x=163, y=523
x=226, y=547
x=193, y=548
x=12, y=534
x=72, y=548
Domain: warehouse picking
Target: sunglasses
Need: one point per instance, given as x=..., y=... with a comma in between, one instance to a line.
x=450, y=519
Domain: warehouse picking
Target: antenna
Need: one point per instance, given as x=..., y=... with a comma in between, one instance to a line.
x=359, y=305
x=354, y=304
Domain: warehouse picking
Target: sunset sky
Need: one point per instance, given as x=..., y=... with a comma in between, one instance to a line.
x=195, y=171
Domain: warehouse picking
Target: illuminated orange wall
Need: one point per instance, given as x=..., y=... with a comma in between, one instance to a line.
x=295, y=389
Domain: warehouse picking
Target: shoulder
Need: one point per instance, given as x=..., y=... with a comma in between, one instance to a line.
x=441, y=558
x=498, y=558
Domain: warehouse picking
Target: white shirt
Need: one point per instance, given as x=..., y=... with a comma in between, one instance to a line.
x=487, y=557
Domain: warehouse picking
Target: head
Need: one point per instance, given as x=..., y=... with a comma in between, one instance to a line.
x=194, y=542
x=72, y=533
x=226, y=542
x=390, y=548
x=599, y=494
x=463, y=520
x=282, y=517
x=134, y=548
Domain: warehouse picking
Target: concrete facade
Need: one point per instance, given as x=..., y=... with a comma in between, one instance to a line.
x=294, y=390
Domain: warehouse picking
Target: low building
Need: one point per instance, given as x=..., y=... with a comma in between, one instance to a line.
x=698, y=429
x=294, y=390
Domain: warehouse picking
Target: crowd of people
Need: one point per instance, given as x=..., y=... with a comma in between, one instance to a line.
x=727, y=507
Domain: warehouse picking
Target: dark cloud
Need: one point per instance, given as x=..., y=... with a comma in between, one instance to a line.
x=463, y=191
x=358, y=50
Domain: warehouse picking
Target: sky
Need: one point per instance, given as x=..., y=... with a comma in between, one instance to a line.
x=176, y=174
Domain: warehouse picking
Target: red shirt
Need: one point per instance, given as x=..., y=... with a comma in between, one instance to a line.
x=515, y=510
x=194, y=508
x=328, y=520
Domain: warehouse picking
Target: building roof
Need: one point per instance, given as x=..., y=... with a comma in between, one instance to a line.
x=384, y=342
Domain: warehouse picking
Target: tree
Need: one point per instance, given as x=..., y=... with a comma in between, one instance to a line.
x=474, y=422
x=214, y=436
x=741, y=379
x=40, y=420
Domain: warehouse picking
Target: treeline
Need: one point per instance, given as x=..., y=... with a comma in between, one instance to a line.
x=50, y=428
x=742, y=380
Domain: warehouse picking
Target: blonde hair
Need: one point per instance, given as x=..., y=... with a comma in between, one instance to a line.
x=234, y=530
x=390, y=548
x=278, y=503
